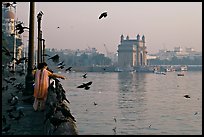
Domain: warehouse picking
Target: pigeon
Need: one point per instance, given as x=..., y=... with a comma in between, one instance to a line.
x=104, y=14
x=66, y=112
x=186, y=96
x=20, y=28
x=69, y=68
x=54, y=58
x=7, y=52
x=85, y=85
x=18, y=61
x=46, y=55
x=56, y=122
x=61, y=66
x=85, y=75
x=61, y=63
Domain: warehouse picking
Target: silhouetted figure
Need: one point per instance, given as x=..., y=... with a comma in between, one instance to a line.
x=104, y=14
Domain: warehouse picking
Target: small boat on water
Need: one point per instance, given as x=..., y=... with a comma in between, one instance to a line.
x=180, y=74
x=184, y=68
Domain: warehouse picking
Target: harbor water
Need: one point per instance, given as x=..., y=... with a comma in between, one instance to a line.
x=130, y=103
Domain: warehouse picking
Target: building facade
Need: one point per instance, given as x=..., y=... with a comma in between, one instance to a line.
x=132, y=52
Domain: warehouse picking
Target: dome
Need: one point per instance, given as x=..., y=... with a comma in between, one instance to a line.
x=9, y=15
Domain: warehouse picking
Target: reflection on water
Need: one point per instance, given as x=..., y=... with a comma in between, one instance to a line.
x=128, y=103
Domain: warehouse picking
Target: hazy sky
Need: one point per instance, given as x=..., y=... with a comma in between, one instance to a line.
x=164, y=24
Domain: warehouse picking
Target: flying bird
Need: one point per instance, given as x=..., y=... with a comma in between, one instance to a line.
x=46, y=55
x=61, y=66
x=20, y=28
x=104, y=14
x=69, y=68
x=55, y=58
x=60, y=63
x=85, y=85
x=85, y=75
x=18, y=61
x=186, y=96
x=6, y=51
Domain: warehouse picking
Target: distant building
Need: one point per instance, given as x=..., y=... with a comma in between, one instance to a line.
x=8, y=28
x=132, y=52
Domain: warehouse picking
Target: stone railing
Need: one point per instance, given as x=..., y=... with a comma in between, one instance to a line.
x=58, y=118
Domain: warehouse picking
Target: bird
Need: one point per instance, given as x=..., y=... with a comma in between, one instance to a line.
x=68, y=69
x=61, y=66
x=61, y=63
x=20, y=28
x=58, y=27
x=186, y=96
x=104, y=14
x=51, y=111
x=7, y=52
x=18, y=61
x=55, y=58
x=8, y=81
x=85, y=75
x=95, y=103
x=85, y=85
x=46, y=55
x=12, y=78
x=114, y=118
x=66, y=112
x=56, y=122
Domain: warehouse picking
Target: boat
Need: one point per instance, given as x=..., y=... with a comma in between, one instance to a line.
x=159, y=72
x=180, y=74
x=183, y=68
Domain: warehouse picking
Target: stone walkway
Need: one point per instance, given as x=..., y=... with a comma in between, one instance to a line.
x=29, y=124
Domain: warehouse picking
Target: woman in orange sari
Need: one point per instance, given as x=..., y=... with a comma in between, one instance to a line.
x=41, y=85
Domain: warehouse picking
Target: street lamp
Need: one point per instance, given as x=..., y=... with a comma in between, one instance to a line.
x=39, y=18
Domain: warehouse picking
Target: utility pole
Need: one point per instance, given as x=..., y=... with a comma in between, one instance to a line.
x=29, y=77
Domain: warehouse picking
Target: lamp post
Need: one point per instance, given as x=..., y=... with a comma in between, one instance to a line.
x=39, y=18
x=29, y=77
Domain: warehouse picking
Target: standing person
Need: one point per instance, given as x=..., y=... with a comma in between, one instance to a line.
x=41, y=85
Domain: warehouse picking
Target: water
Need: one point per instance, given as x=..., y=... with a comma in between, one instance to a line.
x=141, y=103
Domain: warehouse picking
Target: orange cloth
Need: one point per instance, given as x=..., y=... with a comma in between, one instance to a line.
x=41, y=84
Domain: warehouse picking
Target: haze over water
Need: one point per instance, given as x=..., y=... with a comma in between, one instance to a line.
x=142, y=103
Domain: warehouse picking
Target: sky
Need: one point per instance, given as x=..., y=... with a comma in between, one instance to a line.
x=165, y=25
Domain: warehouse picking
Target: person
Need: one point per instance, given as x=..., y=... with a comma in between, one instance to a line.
x=41, y=85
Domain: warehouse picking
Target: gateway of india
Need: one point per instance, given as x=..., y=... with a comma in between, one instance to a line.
x=132, y=52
